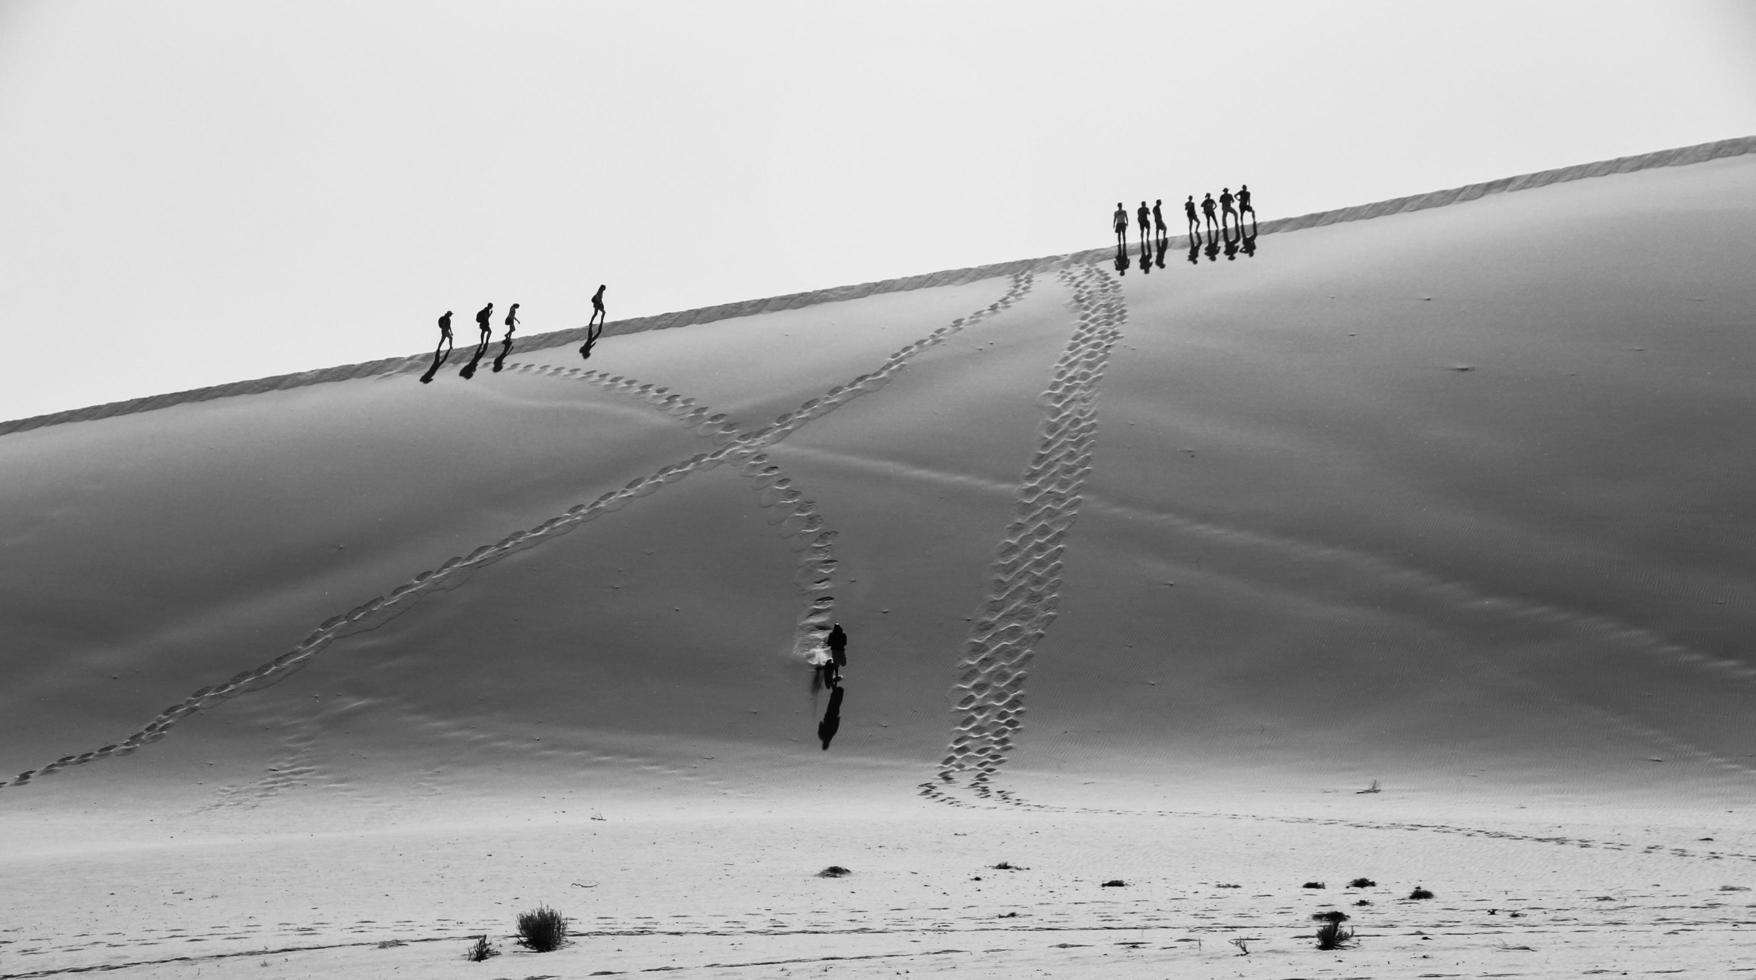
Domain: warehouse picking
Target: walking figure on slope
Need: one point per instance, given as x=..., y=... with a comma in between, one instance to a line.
x=592, y=333
x=441, y=353
x=484, y=318
x=506, y=341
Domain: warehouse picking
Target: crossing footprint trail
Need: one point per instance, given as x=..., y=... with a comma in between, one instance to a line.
x=798, y=519
x=1026, y=586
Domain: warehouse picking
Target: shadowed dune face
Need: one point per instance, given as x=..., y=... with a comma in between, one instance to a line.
x=1449, y=495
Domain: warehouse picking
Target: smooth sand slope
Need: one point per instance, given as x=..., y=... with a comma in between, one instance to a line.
x=1146, y=576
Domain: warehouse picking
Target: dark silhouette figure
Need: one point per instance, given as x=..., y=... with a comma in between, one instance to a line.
x=838, y=646
x=441, y=353
x=1212, y=247
x=1122, y=262
x=506, y=341
x=1194, y=222
x=594, y=327
x=1120, y=220
x=1144, y=216
x=1244, y=205
x=1250, y=242
x=1207, y=209
x=1158, y=217
x=1225, y=206
x=484, y=316
x=1231, y=237
x=831, y=722
x=1195, y=249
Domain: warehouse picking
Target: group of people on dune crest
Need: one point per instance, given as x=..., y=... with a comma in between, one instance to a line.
x=1230, y=209
x=594, y=328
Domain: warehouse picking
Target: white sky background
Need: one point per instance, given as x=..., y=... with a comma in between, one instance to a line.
x=201, y=191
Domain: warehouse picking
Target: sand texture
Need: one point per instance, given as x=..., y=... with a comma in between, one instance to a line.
x=1410, y=546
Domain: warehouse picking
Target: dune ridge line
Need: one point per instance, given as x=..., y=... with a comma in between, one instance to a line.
x=393, y=366
x=814, y=574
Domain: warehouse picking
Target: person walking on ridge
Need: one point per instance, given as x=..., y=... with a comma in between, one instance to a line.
x=441, y=353
x=1194, y=222
x=445, y=333
x=1207, y=209
x=594, y=327
x=484, y=316
x=1225, y=205
x=1121, y=223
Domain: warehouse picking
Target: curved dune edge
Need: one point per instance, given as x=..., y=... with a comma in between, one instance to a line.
x=1681, y=156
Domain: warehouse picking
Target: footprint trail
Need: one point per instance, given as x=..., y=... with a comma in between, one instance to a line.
x=1024, y=593
x=816, y=567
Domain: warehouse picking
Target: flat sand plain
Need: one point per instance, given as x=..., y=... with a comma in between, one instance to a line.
x=1147, y=577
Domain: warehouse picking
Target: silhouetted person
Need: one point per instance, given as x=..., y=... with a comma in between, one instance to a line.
x=441, y=353
x=506, y=341
x=597, y=307
x=1225, y=206
x=831, y=722
x=1144, y=215
x=1231, y=236
x=1212, y=247
x=1207, y=209
x=1244, y=205
x=1158, y=217
x=1194, y=222
x=484, y=318
x=594, y=327
x=838, y=645
x=1120, y=220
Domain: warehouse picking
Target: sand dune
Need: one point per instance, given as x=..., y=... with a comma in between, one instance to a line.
x=1146, y=577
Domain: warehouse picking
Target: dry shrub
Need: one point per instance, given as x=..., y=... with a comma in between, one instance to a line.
x=542, y=929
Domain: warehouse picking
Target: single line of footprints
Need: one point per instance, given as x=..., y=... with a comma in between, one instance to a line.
x=817, y=562
x=1025, y=590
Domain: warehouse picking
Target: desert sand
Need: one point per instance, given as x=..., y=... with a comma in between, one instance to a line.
x=1147, y=577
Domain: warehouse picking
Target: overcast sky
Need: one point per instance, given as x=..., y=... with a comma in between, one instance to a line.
x=201, y=191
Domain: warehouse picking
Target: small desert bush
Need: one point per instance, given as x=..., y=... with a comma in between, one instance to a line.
x=1362, y=883
x=1420, y=893
x=834, y=871
x=1332, y=936
x=542, y=929
x=481, y=950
